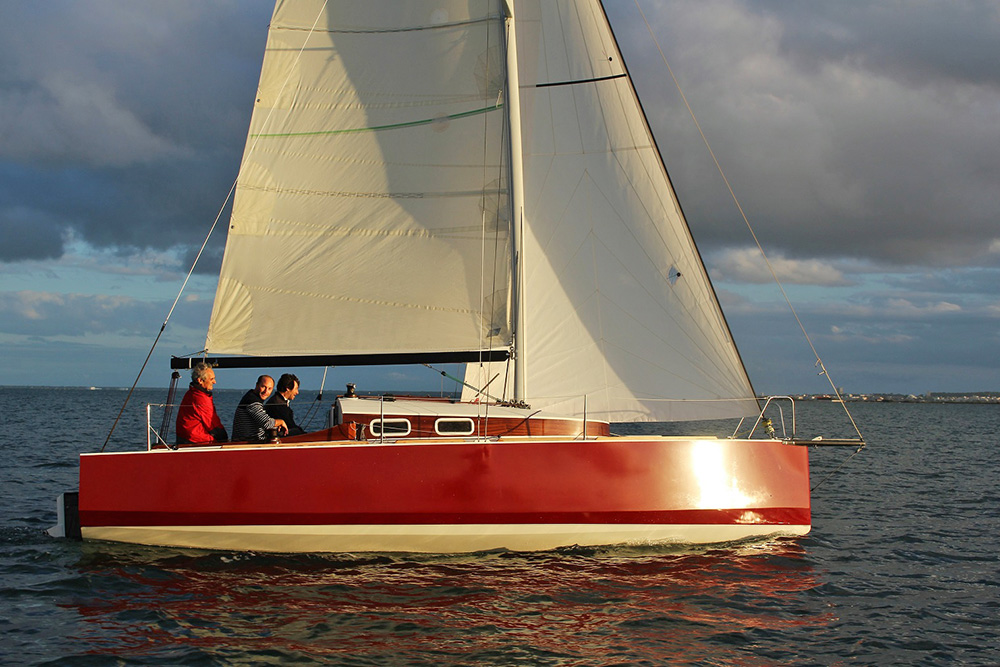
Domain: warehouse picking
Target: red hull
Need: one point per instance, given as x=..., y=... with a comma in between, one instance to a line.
x=447, y=494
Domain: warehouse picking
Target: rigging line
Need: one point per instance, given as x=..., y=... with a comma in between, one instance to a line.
x=484, y=240
x=478, y=391
x=197, y=257
x=519, y=424
x=313, y=409
x=495, y=264
x=770, y=267
x=482, y=221
x=201, y=251
x=837, y=469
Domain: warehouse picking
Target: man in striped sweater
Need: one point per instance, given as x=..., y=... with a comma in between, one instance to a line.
x=251, y=423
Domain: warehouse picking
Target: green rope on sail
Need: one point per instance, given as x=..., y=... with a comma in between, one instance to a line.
x=378, y=128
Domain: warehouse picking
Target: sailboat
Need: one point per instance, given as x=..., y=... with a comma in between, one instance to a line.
x=467, y=182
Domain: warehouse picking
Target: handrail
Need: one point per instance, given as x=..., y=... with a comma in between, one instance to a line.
x=767, y=425
x=153, y=436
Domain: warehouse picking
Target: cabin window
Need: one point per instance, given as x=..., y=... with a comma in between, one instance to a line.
x=391, y=427
x=454, y=426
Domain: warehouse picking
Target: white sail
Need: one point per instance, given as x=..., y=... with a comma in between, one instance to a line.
x=620, y=317
x=370, y=213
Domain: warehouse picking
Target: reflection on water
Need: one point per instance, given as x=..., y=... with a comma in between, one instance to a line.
x=901, y=568
x=569, y=606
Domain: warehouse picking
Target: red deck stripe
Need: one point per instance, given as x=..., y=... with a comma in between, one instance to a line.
x=763, y=516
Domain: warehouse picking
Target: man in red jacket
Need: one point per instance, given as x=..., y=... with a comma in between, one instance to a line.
x=197, y=419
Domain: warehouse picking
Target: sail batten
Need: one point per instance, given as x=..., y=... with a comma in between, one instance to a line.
x=576, y=82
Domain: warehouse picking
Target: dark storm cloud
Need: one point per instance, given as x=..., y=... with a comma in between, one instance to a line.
x=210, y=261
x=27, y=235
x=122, y=122
x=917, y=42
x=846, y=129
x=861, y=129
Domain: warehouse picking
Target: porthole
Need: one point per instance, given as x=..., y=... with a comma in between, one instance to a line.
x=454, y=426
x=389, y=427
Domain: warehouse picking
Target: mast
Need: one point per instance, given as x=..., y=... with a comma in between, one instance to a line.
x=513, y=106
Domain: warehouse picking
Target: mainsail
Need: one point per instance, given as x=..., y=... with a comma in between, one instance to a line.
x=370, y=213
x=373, y=209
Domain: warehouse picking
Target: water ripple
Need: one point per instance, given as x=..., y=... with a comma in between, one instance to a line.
x=901, y=568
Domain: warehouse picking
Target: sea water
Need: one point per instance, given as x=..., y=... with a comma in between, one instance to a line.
x=901, y=567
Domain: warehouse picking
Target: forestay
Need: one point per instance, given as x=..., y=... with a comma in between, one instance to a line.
x=618, y=306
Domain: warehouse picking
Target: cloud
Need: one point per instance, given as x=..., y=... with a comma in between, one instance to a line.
x=845, y=132
x=746, y=265
x=162, y=266
x=877, y=343
x=123, y=123
x=853, y=131
x=71, y=122
x=50, y=314
x=210, y=262
x=26, y=234
x=922, y=284
x=878, y=338
x=906, y=308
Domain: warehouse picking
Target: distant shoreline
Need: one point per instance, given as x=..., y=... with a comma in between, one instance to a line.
x=930, y=397
x=988, y=397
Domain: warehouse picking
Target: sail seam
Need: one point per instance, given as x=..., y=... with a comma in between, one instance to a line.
x=375, y=302
x=376, y=31
x=379, y=128
x=364, y=195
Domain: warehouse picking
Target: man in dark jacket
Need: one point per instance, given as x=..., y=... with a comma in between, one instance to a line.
x=278, y=405
x=251, y=423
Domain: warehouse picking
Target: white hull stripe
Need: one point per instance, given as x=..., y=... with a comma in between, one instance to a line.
x=430, y=538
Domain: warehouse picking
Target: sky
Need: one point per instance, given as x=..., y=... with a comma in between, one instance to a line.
x=861, y=139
